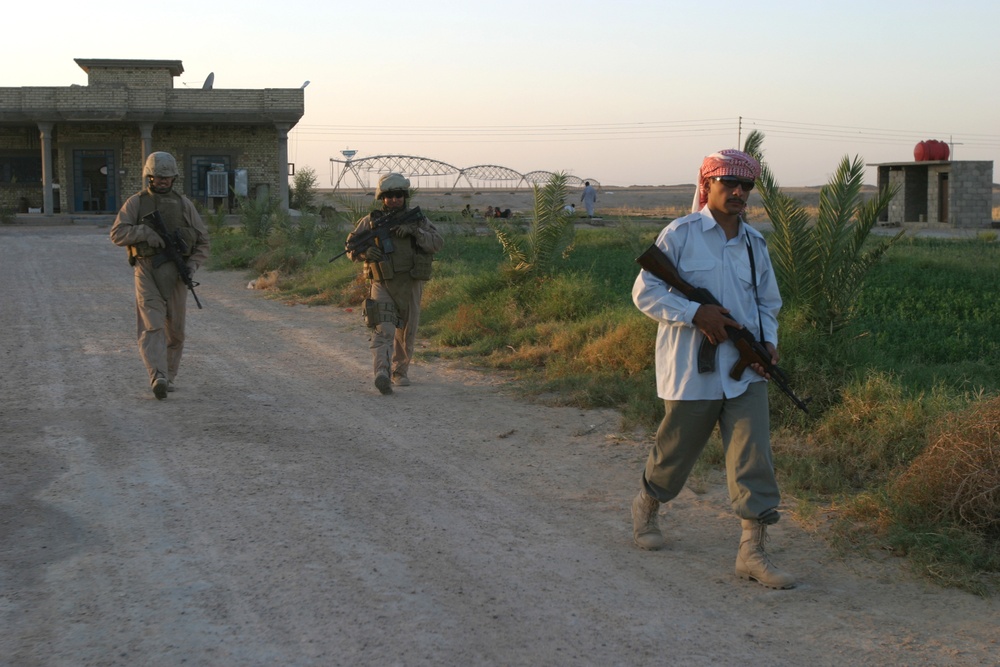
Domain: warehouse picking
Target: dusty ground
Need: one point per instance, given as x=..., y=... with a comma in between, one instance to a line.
x=276, y=510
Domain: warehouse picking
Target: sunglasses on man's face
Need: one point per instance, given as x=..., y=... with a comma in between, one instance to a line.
x=730, y=183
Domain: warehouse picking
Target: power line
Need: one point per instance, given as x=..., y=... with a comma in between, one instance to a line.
x=637, y=130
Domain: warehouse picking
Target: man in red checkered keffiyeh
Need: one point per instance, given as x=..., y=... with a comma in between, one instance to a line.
x=714, y=249
x=729, y=162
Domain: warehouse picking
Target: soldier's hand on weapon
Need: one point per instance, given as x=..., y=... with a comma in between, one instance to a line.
x=154, y=240
x=374, y=254
x=409, y=229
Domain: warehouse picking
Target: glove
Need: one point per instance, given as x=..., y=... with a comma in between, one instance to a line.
x=153, y=239
x=409, y=229
x=374, y=254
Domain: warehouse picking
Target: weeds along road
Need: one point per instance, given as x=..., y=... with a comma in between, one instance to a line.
x=276, y=510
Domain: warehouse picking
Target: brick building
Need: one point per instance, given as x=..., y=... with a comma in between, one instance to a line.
x=957, y=193
x=80, y=149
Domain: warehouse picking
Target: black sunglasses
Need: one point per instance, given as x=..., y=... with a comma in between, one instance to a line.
x=731, y=183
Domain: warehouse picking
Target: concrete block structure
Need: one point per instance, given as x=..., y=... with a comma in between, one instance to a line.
x=80, y=149
x=956, y=193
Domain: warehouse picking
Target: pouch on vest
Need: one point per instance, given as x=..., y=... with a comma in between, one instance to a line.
x=380, y=271
x=422, y=265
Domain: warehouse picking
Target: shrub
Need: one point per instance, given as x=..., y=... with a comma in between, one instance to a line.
x=304, y=189
x=957, y=479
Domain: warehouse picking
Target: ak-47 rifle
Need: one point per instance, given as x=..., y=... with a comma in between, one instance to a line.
x=380, y=233
x=174, y=250
x=751, y=350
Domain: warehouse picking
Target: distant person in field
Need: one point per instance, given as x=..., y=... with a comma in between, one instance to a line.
x=569, y=209
x=396, y=283
x=714, y=248
x=589, y=198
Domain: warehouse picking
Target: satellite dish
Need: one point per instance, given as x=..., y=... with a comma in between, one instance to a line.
x=208, y=81
x=305, y=84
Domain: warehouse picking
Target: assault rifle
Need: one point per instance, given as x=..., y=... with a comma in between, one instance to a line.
x=174, y=249
x=380, y=233
x=751, y=350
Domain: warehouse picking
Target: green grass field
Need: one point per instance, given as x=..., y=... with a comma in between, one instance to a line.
x=921, y=348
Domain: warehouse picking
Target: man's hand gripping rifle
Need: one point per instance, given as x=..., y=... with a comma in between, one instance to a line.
x=380, y=234
x=751, y=350
x=174, y=249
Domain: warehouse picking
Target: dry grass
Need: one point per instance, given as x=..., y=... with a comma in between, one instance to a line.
x=269, y=280
x=958, y=477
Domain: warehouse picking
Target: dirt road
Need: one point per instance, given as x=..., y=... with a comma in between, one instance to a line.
x=276, y=510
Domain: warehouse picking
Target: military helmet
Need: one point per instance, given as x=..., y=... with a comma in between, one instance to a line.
x=160, y=164
x=392, y=183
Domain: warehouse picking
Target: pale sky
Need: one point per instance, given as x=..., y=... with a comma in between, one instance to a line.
x=627, y=93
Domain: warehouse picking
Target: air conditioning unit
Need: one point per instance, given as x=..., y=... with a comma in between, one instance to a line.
x=218, y=183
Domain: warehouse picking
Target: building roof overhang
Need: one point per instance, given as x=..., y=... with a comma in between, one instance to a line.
x=925, y=163
x=86, y=64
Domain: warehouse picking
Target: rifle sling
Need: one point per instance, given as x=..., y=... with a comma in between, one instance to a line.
x=706, y=351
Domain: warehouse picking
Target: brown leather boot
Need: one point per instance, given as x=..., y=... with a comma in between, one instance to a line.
x=645, y=524
x=752, y=561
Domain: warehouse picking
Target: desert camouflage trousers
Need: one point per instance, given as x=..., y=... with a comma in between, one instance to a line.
x=160, y=310
x=392, y=345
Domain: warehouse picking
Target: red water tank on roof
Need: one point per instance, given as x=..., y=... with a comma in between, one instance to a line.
x=942, y=151
x=931, y=149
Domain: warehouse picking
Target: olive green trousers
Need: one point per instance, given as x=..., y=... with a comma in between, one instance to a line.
x=744, y=426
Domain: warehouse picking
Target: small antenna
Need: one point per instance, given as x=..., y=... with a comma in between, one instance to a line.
x=209, y=81
x=305, y=84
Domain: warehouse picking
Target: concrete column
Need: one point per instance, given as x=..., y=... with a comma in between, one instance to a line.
x=283, y=165
x=45, y=134
x=146, y=132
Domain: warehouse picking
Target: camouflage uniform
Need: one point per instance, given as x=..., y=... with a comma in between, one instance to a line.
x=396, y=286
x=160, y=294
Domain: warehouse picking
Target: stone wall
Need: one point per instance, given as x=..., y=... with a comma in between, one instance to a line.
x=131, y=77
x=971, y=197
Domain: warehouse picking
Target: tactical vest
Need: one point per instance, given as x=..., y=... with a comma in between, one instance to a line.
x=171, y=208
x=406, y=258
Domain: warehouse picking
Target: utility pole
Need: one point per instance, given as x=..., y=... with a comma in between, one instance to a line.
x=951, y=147
x=739, y=132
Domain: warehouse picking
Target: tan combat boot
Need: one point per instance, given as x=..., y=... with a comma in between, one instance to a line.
x=753, y=563
x=645, y=525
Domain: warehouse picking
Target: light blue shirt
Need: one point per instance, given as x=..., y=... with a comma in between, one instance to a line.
x=698, y=247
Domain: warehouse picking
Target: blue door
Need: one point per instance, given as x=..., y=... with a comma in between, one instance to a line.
x=94, y=182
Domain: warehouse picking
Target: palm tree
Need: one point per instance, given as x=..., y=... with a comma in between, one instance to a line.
x=549, y=235
x=822, y=265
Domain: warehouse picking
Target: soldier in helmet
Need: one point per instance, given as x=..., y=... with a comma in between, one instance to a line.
x=160, y=294
x=397, y=283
